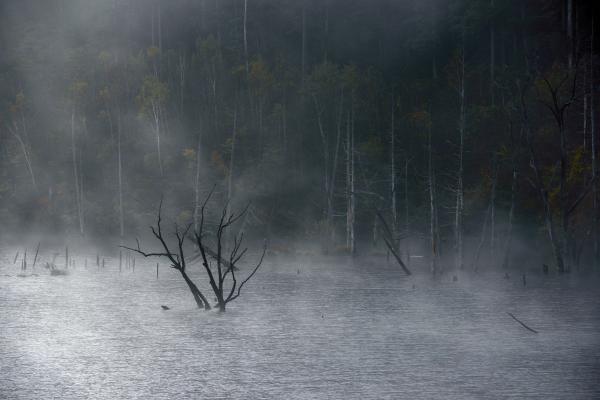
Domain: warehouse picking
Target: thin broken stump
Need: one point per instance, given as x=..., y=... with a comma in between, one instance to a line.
x=37, y=250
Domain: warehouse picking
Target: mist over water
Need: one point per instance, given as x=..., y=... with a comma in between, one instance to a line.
x=309, y=328
x=420, y=176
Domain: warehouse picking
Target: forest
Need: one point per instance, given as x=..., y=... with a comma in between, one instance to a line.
x=470, y=126
x=299, y=199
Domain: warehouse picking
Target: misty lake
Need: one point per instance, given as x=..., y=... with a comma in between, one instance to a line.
x=313, y=328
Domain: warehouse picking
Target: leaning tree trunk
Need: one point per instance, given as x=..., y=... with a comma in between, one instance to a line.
x=201, y=301
x=25, y=155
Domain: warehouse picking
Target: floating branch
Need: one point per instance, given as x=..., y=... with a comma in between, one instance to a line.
x=522, y=323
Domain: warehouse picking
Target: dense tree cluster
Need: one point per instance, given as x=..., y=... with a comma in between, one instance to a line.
x=465, y=122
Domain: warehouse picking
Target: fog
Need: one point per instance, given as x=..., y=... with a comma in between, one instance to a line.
x=299, y=199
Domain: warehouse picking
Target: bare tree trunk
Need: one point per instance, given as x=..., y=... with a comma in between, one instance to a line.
x=475, y=265
x=25, y=155
x=458, y=221
x=350, y=189
x=585, y=110
x=331, y=193
x=120, y=171
x=156, y=114
x=349, y=192
x=352, y=185
x=432, y=206
x=596, y=216
x=493, y=209
x=511, y=216
x=197, y=183
x=324, y=144
x=201, y=301
x=303, y=61
x=246, y=37
x=182, y=68
x=393, y=173
x=159, y=27
x=232, y=160
x=542, y=191
x=570, y=38
x=406, y=213
x=76, y=174
x=492, y=56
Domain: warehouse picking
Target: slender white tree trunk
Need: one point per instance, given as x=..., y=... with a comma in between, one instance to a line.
x=182, y=70
x=432, y=206
x=197, y=184
x=120, y=171
x=156, y=114
x=511, y=216
x=458, y=221
x=352, y=186
x=493, y=211
x=232, y=160
x=76, y=174
x=406, y=211
x=331, y=193
x=349, y=193
x=25, y=154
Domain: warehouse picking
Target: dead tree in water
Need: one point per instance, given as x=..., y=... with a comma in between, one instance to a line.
x=391, y=243
x=223, y=280
x=225, y=267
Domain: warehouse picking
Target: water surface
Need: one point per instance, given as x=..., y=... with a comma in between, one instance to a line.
x=303, y=329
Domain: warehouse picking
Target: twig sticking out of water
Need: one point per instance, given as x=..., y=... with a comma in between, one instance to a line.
x=522, y=324
x=16, y=256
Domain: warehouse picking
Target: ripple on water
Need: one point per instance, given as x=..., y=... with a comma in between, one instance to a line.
x=348, y=331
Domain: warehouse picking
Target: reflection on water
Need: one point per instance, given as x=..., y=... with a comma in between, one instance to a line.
x=357, y=330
